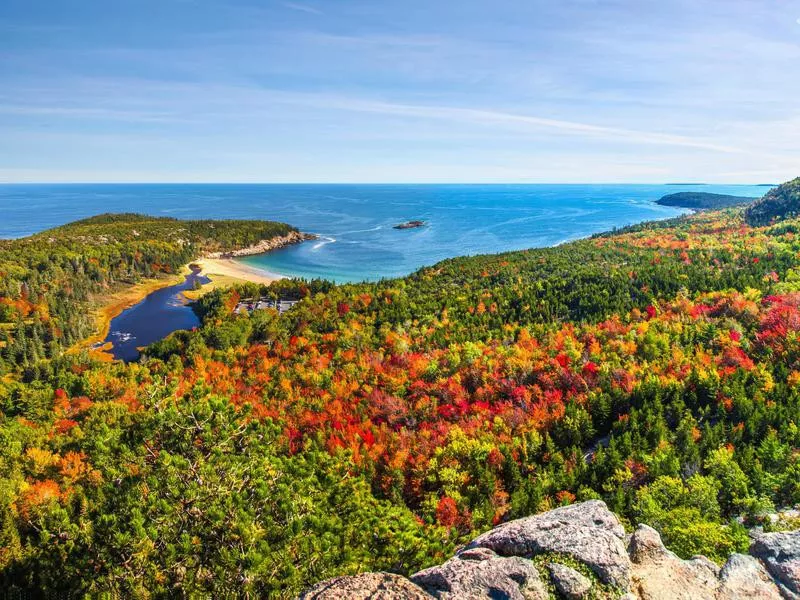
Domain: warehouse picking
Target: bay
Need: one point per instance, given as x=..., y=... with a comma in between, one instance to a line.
x=355, y=222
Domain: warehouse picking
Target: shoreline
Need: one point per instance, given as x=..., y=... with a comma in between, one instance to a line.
x=264, y=246
x=229, y=267
x=224, y=270
x=116, y=303
x=220, y=267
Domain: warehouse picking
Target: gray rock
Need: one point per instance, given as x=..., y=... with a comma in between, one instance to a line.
x=481, y=574
x=645, y=546
x=659, y=574
x=780, y=552
x=367, y=586
x=495, y=565
x=587, y=531
x=476, y=554
x=569, y=583
x=743, y=578
x=702, y=562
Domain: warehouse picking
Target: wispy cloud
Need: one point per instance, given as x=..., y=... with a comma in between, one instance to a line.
x=486, y=117
x=408, y=41
x=211, y=102
x=577, y=89
x=302, y=8
x=91, y=113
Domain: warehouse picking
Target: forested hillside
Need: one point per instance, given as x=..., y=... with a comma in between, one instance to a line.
x=376, y=426
x=781, y=203
x=48, y=280
x=703, y=200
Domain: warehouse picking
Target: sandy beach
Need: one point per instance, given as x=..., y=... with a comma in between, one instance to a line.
x=228, y=267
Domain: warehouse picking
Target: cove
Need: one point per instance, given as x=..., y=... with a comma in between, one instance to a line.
x=159, y=314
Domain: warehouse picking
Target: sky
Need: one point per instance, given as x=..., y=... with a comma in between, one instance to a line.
x=399, y=91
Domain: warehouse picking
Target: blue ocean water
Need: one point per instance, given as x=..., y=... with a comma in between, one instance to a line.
x=355, y=222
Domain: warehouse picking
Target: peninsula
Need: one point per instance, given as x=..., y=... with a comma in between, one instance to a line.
x=702, y=200
x=73, y=280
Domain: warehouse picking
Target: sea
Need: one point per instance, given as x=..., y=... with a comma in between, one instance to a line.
x=355, y=223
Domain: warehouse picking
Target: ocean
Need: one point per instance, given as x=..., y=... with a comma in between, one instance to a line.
x=354, y=222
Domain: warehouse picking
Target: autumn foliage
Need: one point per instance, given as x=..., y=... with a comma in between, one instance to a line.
x=376, y=426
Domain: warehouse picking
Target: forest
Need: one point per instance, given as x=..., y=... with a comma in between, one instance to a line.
x=49, y=280
x=702, y=200
x=376, y=426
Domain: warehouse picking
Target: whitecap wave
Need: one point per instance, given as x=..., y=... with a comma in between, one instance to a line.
x=324, y=240
x=361, y=230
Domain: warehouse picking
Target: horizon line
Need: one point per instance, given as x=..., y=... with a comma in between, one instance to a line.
x=671, y=183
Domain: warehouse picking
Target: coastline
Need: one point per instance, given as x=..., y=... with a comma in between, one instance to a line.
x=220, y=267
x=231, y=268
x=264, y=246
x=223, y=270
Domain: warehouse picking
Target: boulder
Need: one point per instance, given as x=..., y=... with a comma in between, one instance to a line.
x=479, y=573
x=780, y=552
x=586, y=531
x=497, y=565
x=743, y=577
x=569, y=583
x=367, y=586
x=659, y=574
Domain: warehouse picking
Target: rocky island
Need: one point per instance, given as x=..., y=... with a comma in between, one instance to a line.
x=410, y=225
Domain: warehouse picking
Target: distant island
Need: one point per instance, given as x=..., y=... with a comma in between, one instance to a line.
x=409, y=225
x=702, y=200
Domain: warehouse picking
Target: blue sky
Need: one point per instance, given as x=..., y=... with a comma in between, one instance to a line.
x=400, y=90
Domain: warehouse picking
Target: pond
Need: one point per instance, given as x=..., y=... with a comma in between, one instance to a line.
x=159, y=314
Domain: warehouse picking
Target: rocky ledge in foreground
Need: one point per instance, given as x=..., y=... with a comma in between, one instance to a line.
x=582, y=551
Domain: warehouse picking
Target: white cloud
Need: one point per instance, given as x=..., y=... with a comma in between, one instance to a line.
x=492, y=117
x=91, y=113
x=302, y=8
x=532, y=90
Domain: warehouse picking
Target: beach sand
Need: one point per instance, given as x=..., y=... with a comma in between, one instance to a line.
x=231, y=268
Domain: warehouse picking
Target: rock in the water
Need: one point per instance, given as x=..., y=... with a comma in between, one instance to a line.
x=780, y=552
x=743, y=578
x=569, y=583
x=481, y=574
x=367, y=586
x=659, y=574
x=587, y=531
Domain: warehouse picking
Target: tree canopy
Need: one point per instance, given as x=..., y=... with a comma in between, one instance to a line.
x=375, y=426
